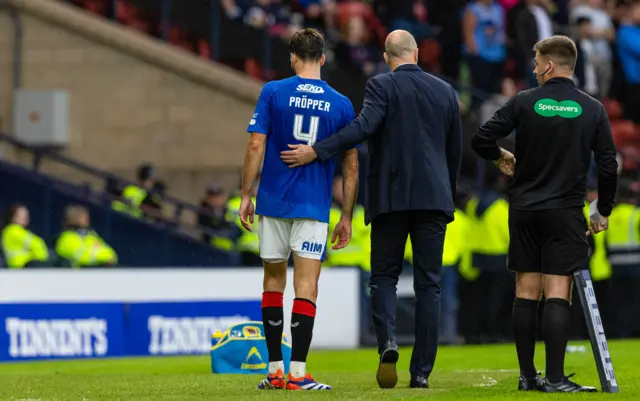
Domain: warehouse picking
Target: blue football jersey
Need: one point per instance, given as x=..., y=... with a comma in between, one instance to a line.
x=297, y=111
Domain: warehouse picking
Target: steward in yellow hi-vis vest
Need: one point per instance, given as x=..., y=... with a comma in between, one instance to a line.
x=622, y=243
x=247, y=244
x=489, y=288
x=20, y=247
x=134, y=195
x=454, y=240
x=622, y=239
x=490, y=243
x=599, y=265
x=79, y=245
x=221, y=230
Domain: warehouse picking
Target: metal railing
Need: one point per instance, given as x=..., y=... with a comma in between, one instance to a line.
x=176, y=221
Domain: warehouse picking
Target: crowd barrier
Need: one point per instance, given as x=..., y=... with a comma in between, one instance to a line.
x=53, y=313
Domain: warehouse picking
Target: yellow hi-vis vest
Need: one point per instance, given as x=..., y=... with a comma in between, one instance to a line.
x=20, y=246
x=490, y=231
x=408, y=250
x=84, y=248
x=135, y=196
x=358, y=252
x=599, y=265
x=222, y=243
x=454, y=239
x=622, y=239
x=248, y=241
x=467, y=270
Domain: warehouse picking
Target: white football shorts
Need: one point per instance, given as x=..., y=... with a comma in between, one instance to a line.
x=278, y=237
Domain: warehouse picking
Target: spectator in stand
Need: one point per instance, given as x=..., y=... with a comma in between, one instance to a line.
x=586, y=65
x=484, y=39
x=355, y=51
x=629, y=50
x=134, y=195
x=319, y=14
x=113, y=189
x=152, y=203
x=601, y=33
x=531, y=24
x=232, y=9
x=217, y=225
x=79, y=245
x=270, y=14
x=409, y=15
x=495, y=102
x=20, y=247
x=444, y=16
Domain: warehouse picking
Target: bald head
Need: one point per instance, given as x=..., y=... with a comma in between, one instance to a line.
x=400, y=45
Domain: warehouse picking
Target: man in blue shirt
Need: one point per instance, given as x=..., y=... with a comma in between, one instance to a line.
x=294, y=203
x=628, y=43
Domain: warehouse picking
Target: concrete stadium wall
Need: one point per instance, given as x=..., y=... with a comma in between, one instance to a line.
x=133, y=98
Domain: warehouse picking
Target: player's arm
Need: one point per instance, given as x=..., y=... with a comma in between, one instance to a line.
x=360, y=129
x=259, y=128
x=349, y=182
x=342, y=231
x=604, y=150
x=252, y=158
x=503, y=122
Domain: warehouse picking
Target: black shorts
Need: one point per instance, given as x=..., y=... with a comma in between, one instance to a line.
x=548, y=241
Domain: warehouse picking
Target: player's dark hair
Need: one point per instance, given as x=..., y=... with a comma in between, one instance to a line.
x=559, y=49
x=307, y=44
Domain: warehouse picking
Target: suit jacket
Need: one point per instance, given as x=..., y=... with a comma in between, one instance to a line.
x=411, y=121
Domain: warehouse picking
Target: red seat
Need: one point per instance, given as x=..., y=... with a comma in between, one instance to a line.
x=625, y=133
x=204, y=50
x=613, y=108
x=429, y=54
x=252, y=68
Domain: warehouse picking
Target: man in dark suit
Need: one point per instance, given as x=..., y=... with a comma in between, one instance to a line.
x=412, y=123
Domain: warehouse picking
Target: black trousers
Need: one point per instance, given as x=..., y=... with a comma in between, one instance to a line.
x=388, y=238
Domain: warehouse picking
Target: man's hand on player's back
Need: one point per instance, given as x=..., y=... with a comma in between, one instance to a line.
x=247, y=212
x=342, y=233
x=299, y=156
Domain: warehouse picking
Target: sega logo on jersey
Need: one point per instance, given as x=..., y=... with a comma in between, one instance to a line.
x=309, y=88
x=312, y=247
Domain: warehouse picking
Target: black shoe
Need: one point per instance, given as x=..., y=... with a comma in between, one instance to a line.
x=419, y=382
x=565, y=386
x=532, y=384
x=387, y=375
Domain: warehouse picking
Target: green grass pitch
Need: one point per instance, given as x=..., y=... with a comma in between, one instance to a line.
x=462, y=373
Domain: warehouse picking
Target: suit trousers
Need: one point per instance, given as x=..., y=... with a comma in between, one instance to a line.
x=389, y=233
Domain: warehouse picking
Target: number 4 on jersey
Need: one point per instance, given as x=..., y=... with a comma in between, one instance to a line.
x=308, y=137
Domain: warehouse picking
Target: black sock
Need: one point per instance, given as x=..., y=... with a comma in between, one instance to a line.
x=525, y=328
x=272, y=319
x=302, y=318
x=556, y=321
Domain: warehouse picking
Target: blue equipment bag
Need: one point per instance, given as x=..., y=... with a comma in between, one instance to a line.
x=242, y=348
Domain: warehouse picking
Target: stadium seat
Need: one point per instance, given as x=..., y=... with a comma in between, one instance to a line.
x=429, y=55
x=204, y=49
x=613, y=108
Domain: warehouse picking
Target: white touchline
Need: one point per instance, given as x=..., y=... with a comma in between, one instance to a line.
x=487, y=371
x=487, y=382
